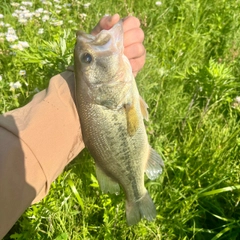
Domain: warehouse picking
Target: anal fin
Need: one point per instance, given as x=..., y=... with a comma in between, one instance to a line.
x=155, y=164
x=106, y=183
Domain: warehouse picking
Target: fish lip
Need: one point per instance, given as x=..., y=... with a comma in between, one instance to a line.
x=103, y=38
x=80, y=34
x=99, y=40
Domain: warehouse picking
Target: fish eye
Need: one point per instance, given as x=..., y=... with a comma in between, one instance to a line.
x=86, y=58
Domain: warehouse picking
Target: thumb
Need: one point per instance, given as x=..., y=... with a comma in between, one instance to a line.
x=105, y=23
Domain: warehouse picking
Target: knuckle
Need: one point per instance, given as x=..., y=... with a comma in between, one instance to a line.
x=140, y=49
x=140, y=34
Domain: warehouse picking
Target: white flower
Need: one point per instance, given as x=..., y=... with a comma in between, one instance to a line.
x=22, y=8
x=56, y=1
x=67, y=5
x=27, y=14
x=46, y=2
x=45, y=18
x=11, y=37
x=37, y=14
x=236, y=102
x=20, y=46
x=22, y=72
x=22, y=20
x=2, y=35
x=2, y=24
x=1, y=16
x=57, y=23
x=14, y=14
x=86, y=5
x=0, y=78
x=15, y=85
x=237, y=99
x=39, y=10
x=83, y=15
x=47, y=12
x=40, y=31
x=58, y=6
x=70, y=21
x=7, y=25
x=18, y=11
x=23, y=44
x=16, y=47
x=158, y=3
x=27, y=3
x=11, y=30
x=14, y=4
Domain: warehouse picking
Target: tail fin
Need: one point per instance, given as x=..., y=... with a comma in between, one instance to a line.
x=142, y=208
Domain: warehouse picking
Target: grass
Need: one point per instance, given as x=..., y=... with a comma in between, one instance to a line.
x=190, y=81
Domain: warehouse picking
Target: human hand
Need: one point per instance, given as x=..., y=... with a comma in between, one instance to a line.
x=132, y=39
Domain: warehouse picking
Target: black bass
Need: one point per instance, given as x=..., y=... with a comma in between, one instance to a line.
x=111, y=114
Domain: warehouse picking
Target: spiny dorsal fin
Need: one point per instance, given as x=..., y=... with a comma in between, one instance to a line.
x=155, y=164
x=132, y=119
x=144, y=107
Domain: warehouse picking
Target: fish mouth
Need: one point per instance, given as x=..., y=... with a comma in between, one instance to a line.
x=82, y=35
x=98, y=43
x=105, y=40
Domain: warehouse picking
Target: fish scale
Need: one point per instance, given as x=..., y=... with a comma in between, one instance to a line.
x=111, y=114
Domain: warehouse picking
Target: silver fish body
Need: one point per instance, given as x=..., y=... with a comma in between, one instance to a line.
x=111, y=114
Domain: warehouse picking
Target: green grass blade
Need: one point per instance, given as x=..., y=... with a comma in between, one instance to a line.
x=220, y=190
x=75, y=192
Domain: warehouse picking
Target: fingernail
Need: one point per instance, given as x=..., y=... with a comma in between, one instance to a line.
x=108, y=16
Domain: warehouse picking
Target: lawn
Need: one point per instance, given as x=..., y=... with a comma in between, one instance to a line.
x=191, y=84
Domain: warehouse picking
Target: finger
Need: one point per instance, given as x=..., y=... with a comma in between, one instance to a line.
x=130, y=23
x=132, y=36
x=105, y=23
x=134, y=51
x=137, y=64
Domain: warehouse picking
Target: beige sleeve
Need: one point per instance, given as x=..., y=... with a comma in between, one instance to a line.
x=36, y=142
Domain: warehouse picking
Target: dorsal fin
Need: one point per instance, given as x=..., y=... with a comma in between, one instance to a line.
x=143, y=107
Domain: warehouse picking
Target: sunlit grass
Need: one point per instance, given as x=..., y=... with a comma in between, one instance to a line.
x=190, y=82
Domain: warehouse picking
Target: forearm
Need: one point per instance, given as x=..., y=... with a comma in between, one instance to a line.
x=36, y=142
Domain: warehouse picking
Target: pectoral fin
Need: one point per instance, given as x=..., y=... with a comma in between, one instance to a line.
x=106, y=183
x=155, y=165
x=144, y=108
x=132, y=119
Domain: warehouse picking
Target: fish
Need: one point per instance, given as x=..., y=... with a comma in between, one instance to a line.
x=112, y=114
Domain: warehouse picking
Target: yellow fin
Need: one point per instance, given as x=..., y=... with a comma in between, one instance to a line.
x=144, y=108
x=132, y=119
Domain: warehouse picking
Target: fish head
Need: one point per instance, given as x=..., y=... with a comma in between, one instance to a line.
x=100, y=64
